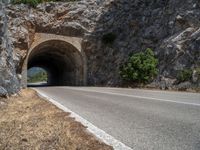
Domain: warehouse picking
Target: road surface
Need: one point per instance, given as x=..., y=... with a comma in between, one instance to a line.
x=141, y=119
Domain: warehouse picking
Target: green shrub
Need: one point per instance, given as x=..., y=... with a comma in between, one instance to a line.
x=198, y=73
x=140, y=67
x=108, y=38
x=184, y=75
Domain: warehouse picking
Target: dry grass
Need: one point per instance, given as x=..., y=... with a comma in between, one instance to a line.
x=28, y=122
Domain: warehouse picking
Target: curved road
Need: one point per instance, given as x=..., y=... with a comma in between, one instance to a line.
x=141, y=119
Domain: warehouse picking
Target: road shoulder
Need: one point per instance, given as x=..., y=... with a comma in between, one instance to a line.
x=30, y=122
x=102, y=135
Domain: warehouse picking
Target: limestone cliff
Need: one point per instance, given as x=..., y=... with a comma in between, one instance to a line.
x=8, y=79
x=170, y=27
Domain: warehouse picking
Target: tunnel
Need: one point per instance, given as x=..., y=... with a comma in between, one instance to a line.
x=63, y=62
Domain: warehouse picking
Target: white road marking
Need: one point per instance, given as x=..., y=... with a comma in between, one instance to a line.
x=153, y=91
x=102, y=135
x=134, y=96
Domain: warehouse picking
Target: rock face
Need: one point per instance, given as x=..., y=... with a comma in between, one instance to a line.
x=170, y=27
x=9, y=82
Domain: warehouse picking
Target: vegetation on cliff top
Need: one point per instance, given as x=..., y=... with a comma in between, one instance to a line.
x=34, y=3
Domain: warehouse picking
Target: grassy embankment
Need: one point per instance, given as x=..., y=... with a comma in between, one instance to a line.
x=29, y=122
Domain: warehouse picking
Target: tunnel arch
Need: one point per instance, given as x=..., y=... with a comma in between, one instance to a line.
x=61, y=57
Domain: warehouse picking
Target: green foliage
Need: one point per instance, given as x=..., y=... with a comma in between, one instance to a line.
x=140, y=67
x=198, y=73
x=184, y=75
x=39, y=77
x=34, y=3
x=109, y=38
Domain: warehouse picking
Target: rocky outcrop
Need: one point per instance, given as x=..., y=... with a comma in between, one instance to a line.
x=171, y=28
x=9, y=82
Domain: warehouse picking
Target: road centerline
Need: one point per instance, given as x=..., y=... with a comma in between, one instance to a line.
x=137, y=122
x=135, y=96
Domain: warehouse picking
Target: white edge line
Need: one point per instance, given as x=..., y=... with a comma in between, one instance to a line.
x=140, y=97
x=102, y=135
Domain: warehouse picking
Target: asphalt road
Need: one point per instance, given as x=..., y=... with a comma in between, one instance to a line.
x=141, y=119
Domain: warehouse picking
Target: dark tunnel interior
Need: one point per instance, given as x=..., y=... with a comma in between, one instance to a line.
x=62, y=61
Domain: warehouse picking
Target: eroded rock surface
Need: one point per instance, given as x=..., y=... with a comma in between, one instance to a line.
x=9, y=82
x=170, y=27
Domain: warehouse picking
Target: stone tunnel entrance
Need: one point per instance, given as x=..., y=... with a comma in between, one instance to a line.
x=61, y=58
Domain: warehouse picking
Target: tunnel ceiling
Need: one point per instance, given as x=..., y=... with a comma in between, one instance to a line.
x=62, y=61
